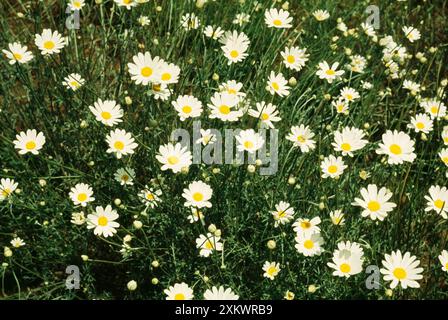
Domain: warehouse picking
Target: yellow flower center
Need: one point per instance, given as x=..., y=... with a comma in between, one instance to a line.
x=346, y=147
x=305, y=224
x=277, y=22
x=82, y=197
x=186, y=109
x=395, y=149
x=330, y=72
x=6, y=192
x=209, y=245
x=271, y=270
x=234, y=54
x=281, y=214
x=231, y=91
x=275, y=86
x=17, y=56
x=224, y=109
x=291, y=59
x=435, y=110
x=119, y=145
x=127, y=1
x=173, y=160
x=345, y=268
x=264, y=116
x=49, y=45
x=439, y=204
x=156, y=87
x=150, y=196
x=166, y=76
x=30, y=145
x=420, y=125
x=106, y=115
x=77, y=4
x=75, y=84
x=308, y=244
x=146, y=71
x=248, y=144
x=102, y=221
x=125, y=177
x=197, y=196
x=178, y=296
x=332, y=169
x=445, y=160
x=301, y=139
x=399, y=273
x=373, y=205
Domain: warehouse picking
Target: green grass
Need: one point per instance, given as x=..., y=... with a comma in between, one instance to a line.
x=32, y=96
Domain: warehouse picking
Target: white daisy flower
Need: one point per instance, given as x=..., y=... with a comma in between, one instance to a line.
x=150, y=197
x=168, y=73
x=332, y=167
x=349, y=140
x=249, y=140
x=224, y=107
x=267, y=113
x=349, y=94
x=190, y=21
x=341, y=105
x=283, y=213
x=307, y=226
x=18, y=53
x=329, y=73
x=128, y=4
x=49, y=42
x=145, y=69
x=180, y=291
x=398, y=146
x=279, y=19
x=81, y=194
x=443, y=258
x=302, y=137
x=108, y=112
x=17, y=242
x=321, y=15
x=411, y=33
x=7, y=187
x=213, y=32
x=375, y=203
x=294, y=58
x=207, y=137
x=437, y=201
x=337, y=217
x=271, y=269
x=125, y=176
x=174, y=157
x=76, y=5
x=235, y=46
x=401, y=270
x=435, y=108
x=277, y=84
x=443, y=154
x=102, y=221
x=220, y=293
x=187, y=107
x=421, y=123
x=120, y=142
x=309, y=244
x=232, y=87
x=208, y=244
x=73, y=81
x=198, y=195
x=29, y=141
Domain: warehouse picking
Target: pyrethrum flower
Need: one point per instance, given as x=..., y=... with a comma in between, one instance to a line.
x=220, y=293
x=443, y=154
x=120, y=142
x=49, y=42
x=302, y=137
x=349, y=140
x=108, y=112
x=150, y=197
x=329, y=73
x=7, y=187
x=437, y=200
x=75, y=5
x=235, y=46
x=190, y=21
x=232, y=87
x=341, y=106
x=321, y=15
x=337, y=217
x=277, y=84
x=349, y=94
x=168, y=73
x=443, y=258
x=187, y=107
x=29, y=141
x=435, y=108
x=145, y=69
x=102, y=221
x=249, y=140
x=294, y=58
x=73, y=81
x=81, y=194
x=174, y=157
x=346, y=262
x=198, y=195
x=213, y=32
x=401, y=270
x=375, y=203
x=279, y=19
x=398, y=146
x=128, y=4
x=224, y=107
x=208, y=244
x=307, y=226
x=421, y=123
x=283, y=213
x=411, y=33
x=180, y=291
x=266, y=112
x=207, y=137
x=309, y=244
x=17, y=242
x=271, y=269
x=332, y=167
x=125, y=176
x=17, y=53
x=78, y=218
